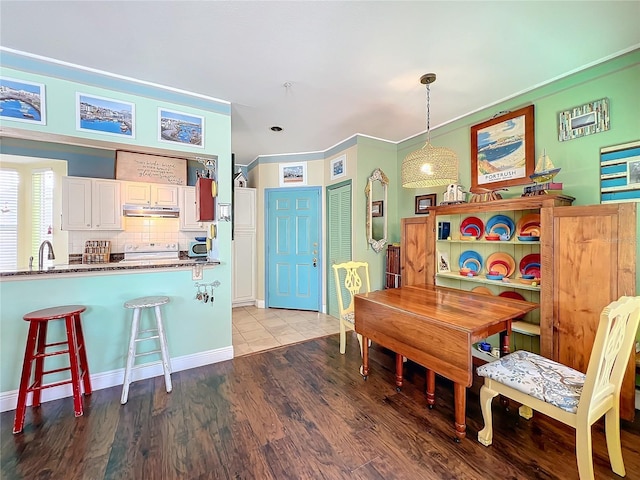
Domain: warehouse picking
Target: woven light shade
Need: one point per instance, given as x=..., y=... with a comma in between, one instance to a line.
x=430, y=167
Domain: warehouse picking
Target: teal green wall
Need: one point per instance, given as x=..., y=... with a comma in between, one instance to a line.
x=372, y=154
x=192, y=327
x=617, y=79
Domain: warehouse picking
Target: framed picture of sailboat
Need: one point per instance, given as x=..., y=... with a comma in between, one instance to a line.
x=503, y=150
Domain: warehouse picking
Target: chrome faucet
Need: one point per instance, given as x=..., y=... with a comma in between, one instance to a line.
x=51, y=255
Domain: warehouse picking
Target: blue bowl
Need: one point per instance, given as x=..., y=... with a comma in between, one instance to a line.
x=494, y=277
x=201, y=239
x=529, y=239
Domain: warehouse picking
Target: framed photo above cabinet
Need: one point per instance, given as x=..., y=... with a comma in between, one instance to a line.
x=503, y=150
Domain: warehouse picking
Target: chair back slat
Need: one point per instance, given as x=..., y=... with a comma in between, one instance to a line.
x=611, y=352
x=349, y=282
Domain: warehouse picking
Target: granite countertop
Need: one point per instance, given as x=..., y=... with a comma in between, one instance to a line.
x=111, y=267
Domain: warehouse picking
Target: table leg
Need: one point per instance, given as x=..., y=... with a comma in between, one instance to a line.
x=399, y=365
x=504, y=340
x=365, y=357
x=460, y=396
x=506, y=350
x=431, y=388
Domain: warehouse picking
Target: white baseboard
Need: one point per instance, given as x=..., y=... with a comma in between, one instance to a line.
x=260, y=303
x=8, y=400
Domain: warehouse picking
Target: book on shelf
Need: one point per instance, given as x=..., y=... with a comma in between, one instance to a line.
x=542, y=188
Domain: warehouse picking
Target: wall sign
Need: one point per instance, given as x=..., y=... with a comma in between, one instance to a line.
x=592, y=117
x=620, y=173
x=141, y=167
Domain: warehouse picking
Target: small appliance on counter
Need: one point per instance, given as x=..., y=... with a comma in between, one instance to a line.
x=198, y=248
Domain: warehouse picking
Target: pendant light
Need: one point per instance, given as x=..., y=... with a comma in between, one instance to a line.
x=430, y=166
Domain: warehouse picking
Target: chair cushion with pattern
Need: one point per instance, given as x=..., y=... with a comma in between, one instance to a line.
x=538, y=377
x=350, y=317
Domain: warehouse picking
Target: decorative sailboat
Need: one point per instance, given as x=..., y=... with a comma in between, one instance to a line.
x=545, y=170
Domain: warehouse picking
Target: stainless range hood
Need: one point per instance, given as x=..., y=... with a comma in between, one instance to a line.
x=129, y=210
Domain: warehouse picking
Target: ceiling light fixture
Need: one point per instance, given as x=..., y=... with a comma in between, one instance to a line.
x=276, y=128
x=430, y=166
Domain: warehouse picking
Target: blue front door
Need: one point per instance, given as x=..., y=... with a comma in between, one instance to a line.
x=293, y=248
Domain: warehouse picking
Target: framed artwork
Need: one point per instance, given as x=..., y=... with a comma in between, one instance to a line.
x=592, y=117
x=443, y=262
x=338, y=167
x=177, y=127
x=105, y=115
x=293, y=174
x=424, y=203
x=377, y=208
x=620, y=173
x=22, y=101
x=503, y=150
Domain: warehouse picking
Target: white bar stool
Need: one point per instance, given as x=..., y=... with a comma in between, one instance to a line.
x=140, y=336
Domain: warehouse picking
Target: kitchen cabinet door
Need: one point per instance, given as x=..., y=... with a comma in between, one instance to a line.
x=76, y=203
x=91, y=204
x=164, y=195
x=244, y=268
x=188, y=218
x=106, y=208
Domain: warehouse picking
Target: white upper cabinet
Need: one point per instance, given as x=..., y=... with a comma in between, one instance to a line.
x=188, y=218
x=91, y=204
x=152, y=194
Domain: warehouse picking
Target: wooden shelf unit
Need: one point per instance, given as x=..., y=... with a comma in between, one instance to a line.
x=587, y=260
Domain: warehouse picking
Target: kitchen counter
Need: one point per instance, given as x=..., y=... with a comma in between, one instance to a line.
x=111, y=267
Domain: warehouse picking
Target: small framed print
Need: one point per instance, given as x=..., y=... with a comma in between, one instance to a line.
x=105, y=115
x=377, y=208
x=424, y=203
x=443, y=262
x=180, y=127
x=339, y=167
x=22, y=101
x=293, y=174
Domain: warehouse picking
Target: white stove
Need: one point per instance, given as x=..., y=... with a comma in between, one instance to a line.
x=151, y=252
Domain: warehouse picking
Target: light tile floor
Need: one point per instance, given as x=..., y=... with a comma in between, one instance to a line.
x=256, y=329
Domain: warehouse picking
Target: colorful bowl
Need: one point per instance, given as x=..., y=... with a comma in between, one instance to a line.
x=472, y=225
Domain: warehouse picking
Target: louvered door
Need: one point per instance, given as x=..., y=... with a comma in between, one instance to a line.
x=338, y=236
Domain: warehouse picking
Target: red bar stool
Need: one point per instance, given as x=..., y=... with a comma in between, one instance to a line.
x=35, y=353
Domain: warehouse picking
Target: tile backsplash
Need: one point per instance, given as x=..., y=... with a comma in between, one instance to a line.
x=136, y=229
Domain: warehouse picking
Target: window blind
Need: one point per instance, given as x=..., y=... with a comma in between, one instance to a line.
x=42, y=208
x=9, y=179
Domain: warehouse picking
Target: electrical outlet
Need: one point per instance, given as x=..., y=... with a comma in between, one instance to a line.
x=196, y=272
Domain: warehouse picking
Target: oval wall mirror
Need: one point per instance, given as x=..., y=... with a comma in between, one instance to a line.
x=376, y=192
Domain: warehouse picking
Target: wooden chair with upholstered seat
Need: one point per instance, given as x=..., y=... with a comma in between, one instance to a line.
x=567, y=395
x=348, y=280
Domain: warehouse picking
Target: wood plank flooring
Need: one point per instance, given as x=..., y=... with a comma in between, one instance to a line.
x=299, y=411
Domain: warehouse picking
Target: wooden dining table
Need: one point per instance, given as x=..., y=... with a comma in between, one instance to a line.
x=435, y=327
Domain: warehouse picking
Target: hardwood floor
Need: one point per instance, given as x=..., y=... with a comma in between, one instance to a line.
x=294, y=412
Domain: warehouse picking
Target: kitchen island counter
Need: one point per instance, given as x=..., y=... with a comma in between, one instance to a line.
x=117, y=267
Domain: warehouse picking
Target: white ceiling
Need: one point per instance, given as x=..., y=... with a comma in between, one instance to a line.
x=354, y=67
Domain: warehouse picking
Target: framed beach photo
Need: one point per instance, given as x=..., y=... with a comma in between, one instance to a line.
x=338, y=167
x=503, y=150
x=22, y=101
x=105, y=115
x=293, y=174
x=177, y=127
